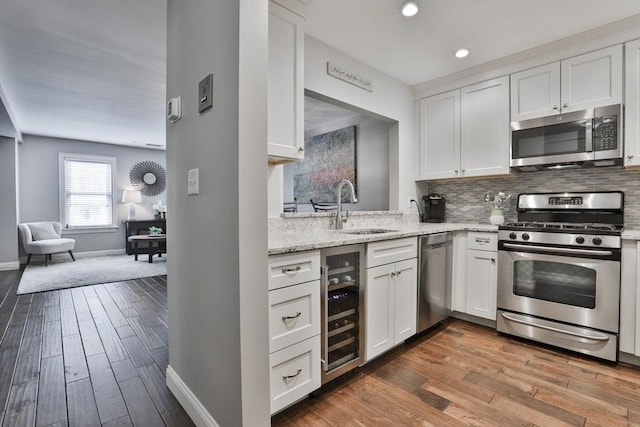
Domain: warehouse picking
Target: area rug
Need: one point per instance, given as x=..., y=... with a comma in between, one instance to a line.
x=89, y=271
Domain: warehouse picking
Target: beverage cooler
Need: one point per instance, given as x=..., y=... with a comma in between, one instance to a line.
x=343, y=286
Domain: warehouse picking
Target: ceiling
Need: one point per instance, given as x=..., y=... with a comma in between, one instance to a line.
x=91, y=70
x=95, y=70
x=421, y=48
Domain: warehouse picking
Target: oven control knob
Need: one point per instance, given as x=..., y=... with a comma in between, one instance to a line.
x=512, y=235
x=525, y=236
x=597, y=241
x=579, y=239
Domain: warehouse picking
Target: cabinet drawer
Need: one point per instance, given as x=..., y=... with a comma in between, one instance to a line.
x=482, y=241
x=291, y=269
x=385, y=252
x=294, y=314
x=294, y=373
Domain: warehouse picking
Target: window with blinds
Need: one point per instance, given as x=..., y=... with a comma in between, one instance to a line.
x=88, y=191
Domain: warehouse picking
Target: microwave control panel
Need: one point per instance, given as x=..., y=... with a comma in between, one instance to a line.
x=605, y=133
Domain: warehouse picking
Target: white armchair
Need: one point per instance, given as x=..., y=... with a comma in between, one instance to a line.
x=44, y=238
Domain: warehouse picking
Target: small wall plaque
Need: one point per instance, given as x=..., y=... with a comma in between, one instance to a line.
x=357, y=80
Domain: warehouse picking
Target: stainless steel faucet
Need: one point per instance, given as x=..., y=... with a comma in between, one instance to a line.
x=339, y=219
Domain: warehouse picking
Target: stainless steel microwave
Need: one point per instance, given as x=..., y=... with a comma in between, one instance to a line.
x=590, y=137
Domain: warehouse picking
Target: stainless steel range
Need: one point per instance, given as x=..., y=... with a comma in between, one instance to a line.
x=559, y=271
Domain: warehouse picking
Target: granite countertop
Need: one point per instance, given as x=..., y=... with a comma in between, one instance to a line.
x=287, y=242
x=631, y=234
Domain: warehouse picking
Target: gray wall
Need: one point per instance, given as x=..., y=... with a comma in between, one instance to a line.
x=8, y=203
x=464, y=198
x=372, y=139
x=217, y=313
x=38, y=184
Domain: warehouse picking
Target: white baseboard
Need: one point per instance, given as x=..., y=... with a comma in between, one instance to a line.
x=85, y=254
x=15, y=265
x=199, y=415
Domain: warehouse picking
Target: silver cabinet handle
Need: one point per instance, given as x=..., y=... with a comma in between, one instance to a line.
x=393, y=274
x=301, y=149
x=295, y=316
x=565, y=105
x=398, y=272
x=456, y=170
x=493, y=260
x=291, y=270
x=286, y=378
x=555, y=107
x=629, y=156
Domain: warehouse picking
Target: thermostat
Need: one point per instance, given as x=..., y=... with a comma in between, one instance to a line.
x=174, y=109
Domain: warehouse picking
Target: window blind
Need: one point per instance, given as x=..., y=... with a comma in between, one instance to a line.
x=88, y=193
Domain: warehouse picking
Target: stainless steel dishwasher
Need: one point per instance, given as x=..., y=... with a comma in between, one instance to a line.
x=434, y=279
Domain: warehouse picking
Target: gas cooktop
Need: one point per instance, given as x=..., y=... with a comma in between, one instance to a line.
x=572, y=213
x=591, y=228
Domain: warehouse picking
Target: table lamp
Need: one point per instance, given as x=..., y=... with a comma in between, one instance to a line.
x=131, y=197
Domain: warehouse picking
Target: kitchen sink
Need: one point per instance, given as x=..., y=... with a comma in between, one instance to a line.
x=367, y=231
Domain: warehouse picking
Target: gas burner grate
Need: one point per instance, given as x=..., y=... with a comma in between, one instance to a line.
x=569, y=226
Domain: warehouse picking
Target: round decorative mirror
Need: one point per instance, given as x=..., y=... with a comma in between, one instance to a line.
x=148, y=177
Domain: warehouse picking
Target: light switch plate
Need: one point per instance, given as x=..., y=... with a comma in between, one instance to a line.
x=193, y=181
x=205, y=93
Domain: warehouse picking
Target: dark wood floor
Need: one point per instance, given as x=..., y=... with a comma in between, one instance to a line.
x=87, y=356
x=463, y=374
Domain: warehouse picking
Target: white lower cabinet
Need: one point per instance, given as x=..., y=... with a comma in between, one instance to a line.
x=630, y=298
x=390, y=302
x=295, y=372
x=480, y=295
x=294, y=327
x=475, y=274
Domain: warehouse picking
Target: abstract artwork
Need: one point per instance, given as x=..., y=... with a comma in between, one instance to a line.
x=328, y=159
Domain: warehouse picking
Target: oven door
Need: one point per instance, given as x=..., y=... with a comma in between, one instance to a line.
x=572, y=289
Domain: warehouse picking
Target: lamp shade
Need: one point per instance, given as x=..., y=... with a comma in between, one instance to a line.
x=131, y=196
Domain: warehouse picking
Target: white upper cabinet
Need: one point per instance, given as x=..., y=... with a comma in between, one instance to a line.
x=485, y=132
x=535, y=92
x=286, y=85
x=592, y=80
x=440, y=136
x=586, y=81
x=632, y=105
x=465, y=132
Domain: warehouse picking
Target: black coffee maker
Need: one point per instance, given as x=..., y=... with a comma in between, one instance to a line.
x=433, y=208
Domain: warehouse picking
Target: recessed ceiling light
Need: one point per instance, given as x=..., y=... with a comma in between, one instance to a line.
x=461, y=53
x=410, y=8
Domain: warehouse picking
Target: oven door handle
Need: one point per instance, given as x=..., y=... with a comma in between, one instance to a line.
x=552, y=329
x=558, y=251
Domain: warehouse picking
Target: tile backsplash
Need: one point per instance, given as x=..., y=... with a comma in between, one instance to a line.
x=465, y=197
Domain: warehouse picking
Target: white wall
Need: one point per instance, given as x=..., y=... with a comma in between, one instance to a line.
x=8, y=204
x=390, y=98
x=38, y=184
x=217, y=291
